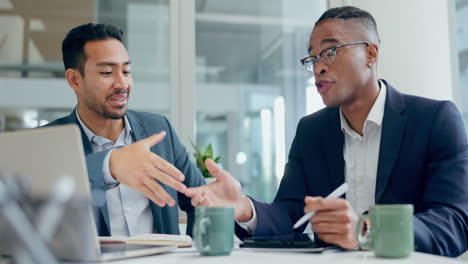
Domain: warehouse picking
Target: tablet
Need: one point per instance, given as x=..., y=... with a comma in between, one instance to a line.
x=291, y=242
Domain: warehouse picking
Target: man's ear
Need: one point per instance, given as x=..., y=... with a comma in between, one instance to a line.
x=372, y=53
x=74, y=78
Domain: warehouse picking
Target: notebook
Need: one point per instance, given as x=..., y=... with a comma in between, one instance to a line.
x=181, y=241
x=44, y=155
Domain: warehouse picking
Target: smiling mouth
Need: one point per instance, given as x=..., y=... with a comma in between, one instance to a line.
x=119, y=99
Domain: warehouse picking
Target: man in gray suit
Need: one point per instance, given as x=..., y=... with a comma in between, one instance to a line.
x=136, y=163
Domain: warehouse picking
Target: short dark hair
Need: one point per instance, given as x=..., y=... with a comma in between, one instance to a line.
x=352, y=13
x=73, y=53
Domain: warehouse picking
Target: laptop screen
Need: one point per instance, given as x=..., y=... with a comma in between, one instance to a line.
x=43, y=156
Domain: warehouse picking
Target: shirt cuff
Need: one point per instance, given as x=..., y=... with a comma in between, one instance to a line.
x=108, y=179
x=251, y=225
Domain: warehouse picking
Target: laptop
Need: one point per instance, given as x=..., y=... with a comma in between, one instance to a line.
x=43, y=156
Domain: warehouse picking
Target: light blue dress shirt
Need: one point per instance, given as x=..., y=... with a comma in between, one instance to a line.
x=129, y=210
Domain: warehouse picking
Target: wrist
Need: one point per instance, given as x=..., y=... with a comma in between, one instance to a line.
x=244, y=209
x=112, y=163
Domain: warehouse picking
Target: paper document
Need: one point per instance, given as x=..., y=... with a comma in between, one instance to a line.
x=151, y=239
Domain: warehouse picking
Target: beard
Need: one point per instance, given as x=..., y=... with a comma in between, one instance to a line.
x=108, y=112
x=114, y=114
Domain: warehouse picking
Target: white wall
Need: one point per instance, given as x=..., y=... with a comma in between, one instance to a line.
x=417, y=54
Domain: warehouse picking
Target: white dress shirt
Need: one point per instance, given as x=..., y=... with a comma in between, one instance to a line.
x=361, y=155
x=129, y=210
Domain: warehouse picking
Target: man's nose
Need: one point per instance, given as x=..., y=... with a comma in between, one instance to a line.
x=121, y=81
x=320, y=68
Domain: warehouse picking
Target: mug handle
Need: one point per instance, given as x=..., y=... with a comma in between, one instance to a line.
x=365, y=241
x=204, y=238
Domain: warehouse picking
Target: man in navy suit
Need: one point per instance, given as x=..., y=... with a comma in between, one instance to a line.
x=136, y=164
x=390, y=148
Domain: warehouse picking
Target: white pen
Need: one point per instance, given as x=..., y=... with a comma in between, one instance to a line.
x=335, y=194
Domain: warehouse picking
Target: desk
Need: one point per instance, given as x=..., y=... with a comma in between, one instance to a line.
x=241, y=256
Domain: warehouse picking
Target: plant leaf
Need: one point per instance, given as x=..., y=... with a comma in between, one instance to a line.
x=200, y=162
x=209, y=151
x=195, y=148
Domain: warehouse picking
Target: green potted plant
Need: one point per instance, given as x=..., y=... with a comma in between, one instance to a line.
x=200, y=157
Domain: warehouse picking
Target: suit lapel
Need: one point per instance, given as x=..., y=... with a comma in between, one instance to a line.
x=393, y=128
x=139, y=130
x=86, y=144
x=334, y=148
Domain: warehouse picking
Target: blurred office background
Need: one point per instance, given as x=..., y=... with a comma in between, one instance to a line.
x=225, y=72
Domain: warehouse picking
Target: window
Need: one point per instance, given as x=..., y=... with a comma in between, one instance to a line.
x=251, y=88
x=462, y=46
x=32, y=82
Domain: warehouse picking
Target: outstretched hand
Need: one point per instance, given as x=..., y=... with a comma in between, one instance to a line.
x=225, y=191
x=137, y=167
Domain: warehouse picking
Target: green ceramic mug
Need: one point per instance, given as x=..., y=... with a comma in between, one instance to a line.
x=214, y=230
x=390, y=233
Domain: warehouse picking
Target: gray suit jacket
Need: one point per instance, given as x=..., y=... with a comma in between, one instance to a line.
x=166, y=219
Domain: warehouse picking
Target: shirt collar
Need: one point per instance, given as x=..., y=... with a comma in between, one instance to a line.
x=90, y=134
x=375, y=115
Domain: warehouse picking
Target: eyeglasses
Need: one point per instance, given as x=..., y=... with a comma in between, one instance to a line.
x=328, y=55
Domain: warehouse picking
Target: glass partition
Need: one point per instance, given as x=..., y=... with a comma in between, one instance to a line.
x=32, y=82
x=462, y=46
x=251, y=88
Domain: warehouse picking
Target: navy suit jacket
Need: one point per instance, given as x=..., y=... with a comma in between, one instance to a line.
x=423, y=161
x=166, y=219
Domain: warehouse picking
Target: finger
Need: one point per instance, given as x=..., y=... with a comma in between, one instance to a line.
x=319, y=203
x=335, y=204
x=331, y=228
x=312, y=199
x=336, y=216
x=194, y=201
x=207, y=202
x=204, y=201
x=330, y=237
x=167, y=167
x=341, y=240
x=198, y=199
x=159, y=191
x=192, y=192
x=168, y=180
x=154, y=139
x=311, y=203
x=150, y=194
x=215, y=170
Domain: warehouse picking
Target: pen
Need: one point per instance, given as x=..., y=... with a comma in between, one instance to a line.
x=335, y=194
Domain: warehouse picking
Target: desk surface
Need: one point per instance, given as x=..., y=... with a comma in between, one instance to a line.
x=238, y=256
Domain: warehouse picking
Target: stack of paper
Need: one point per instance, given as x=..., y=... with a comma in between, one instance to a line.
x=151, y=239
